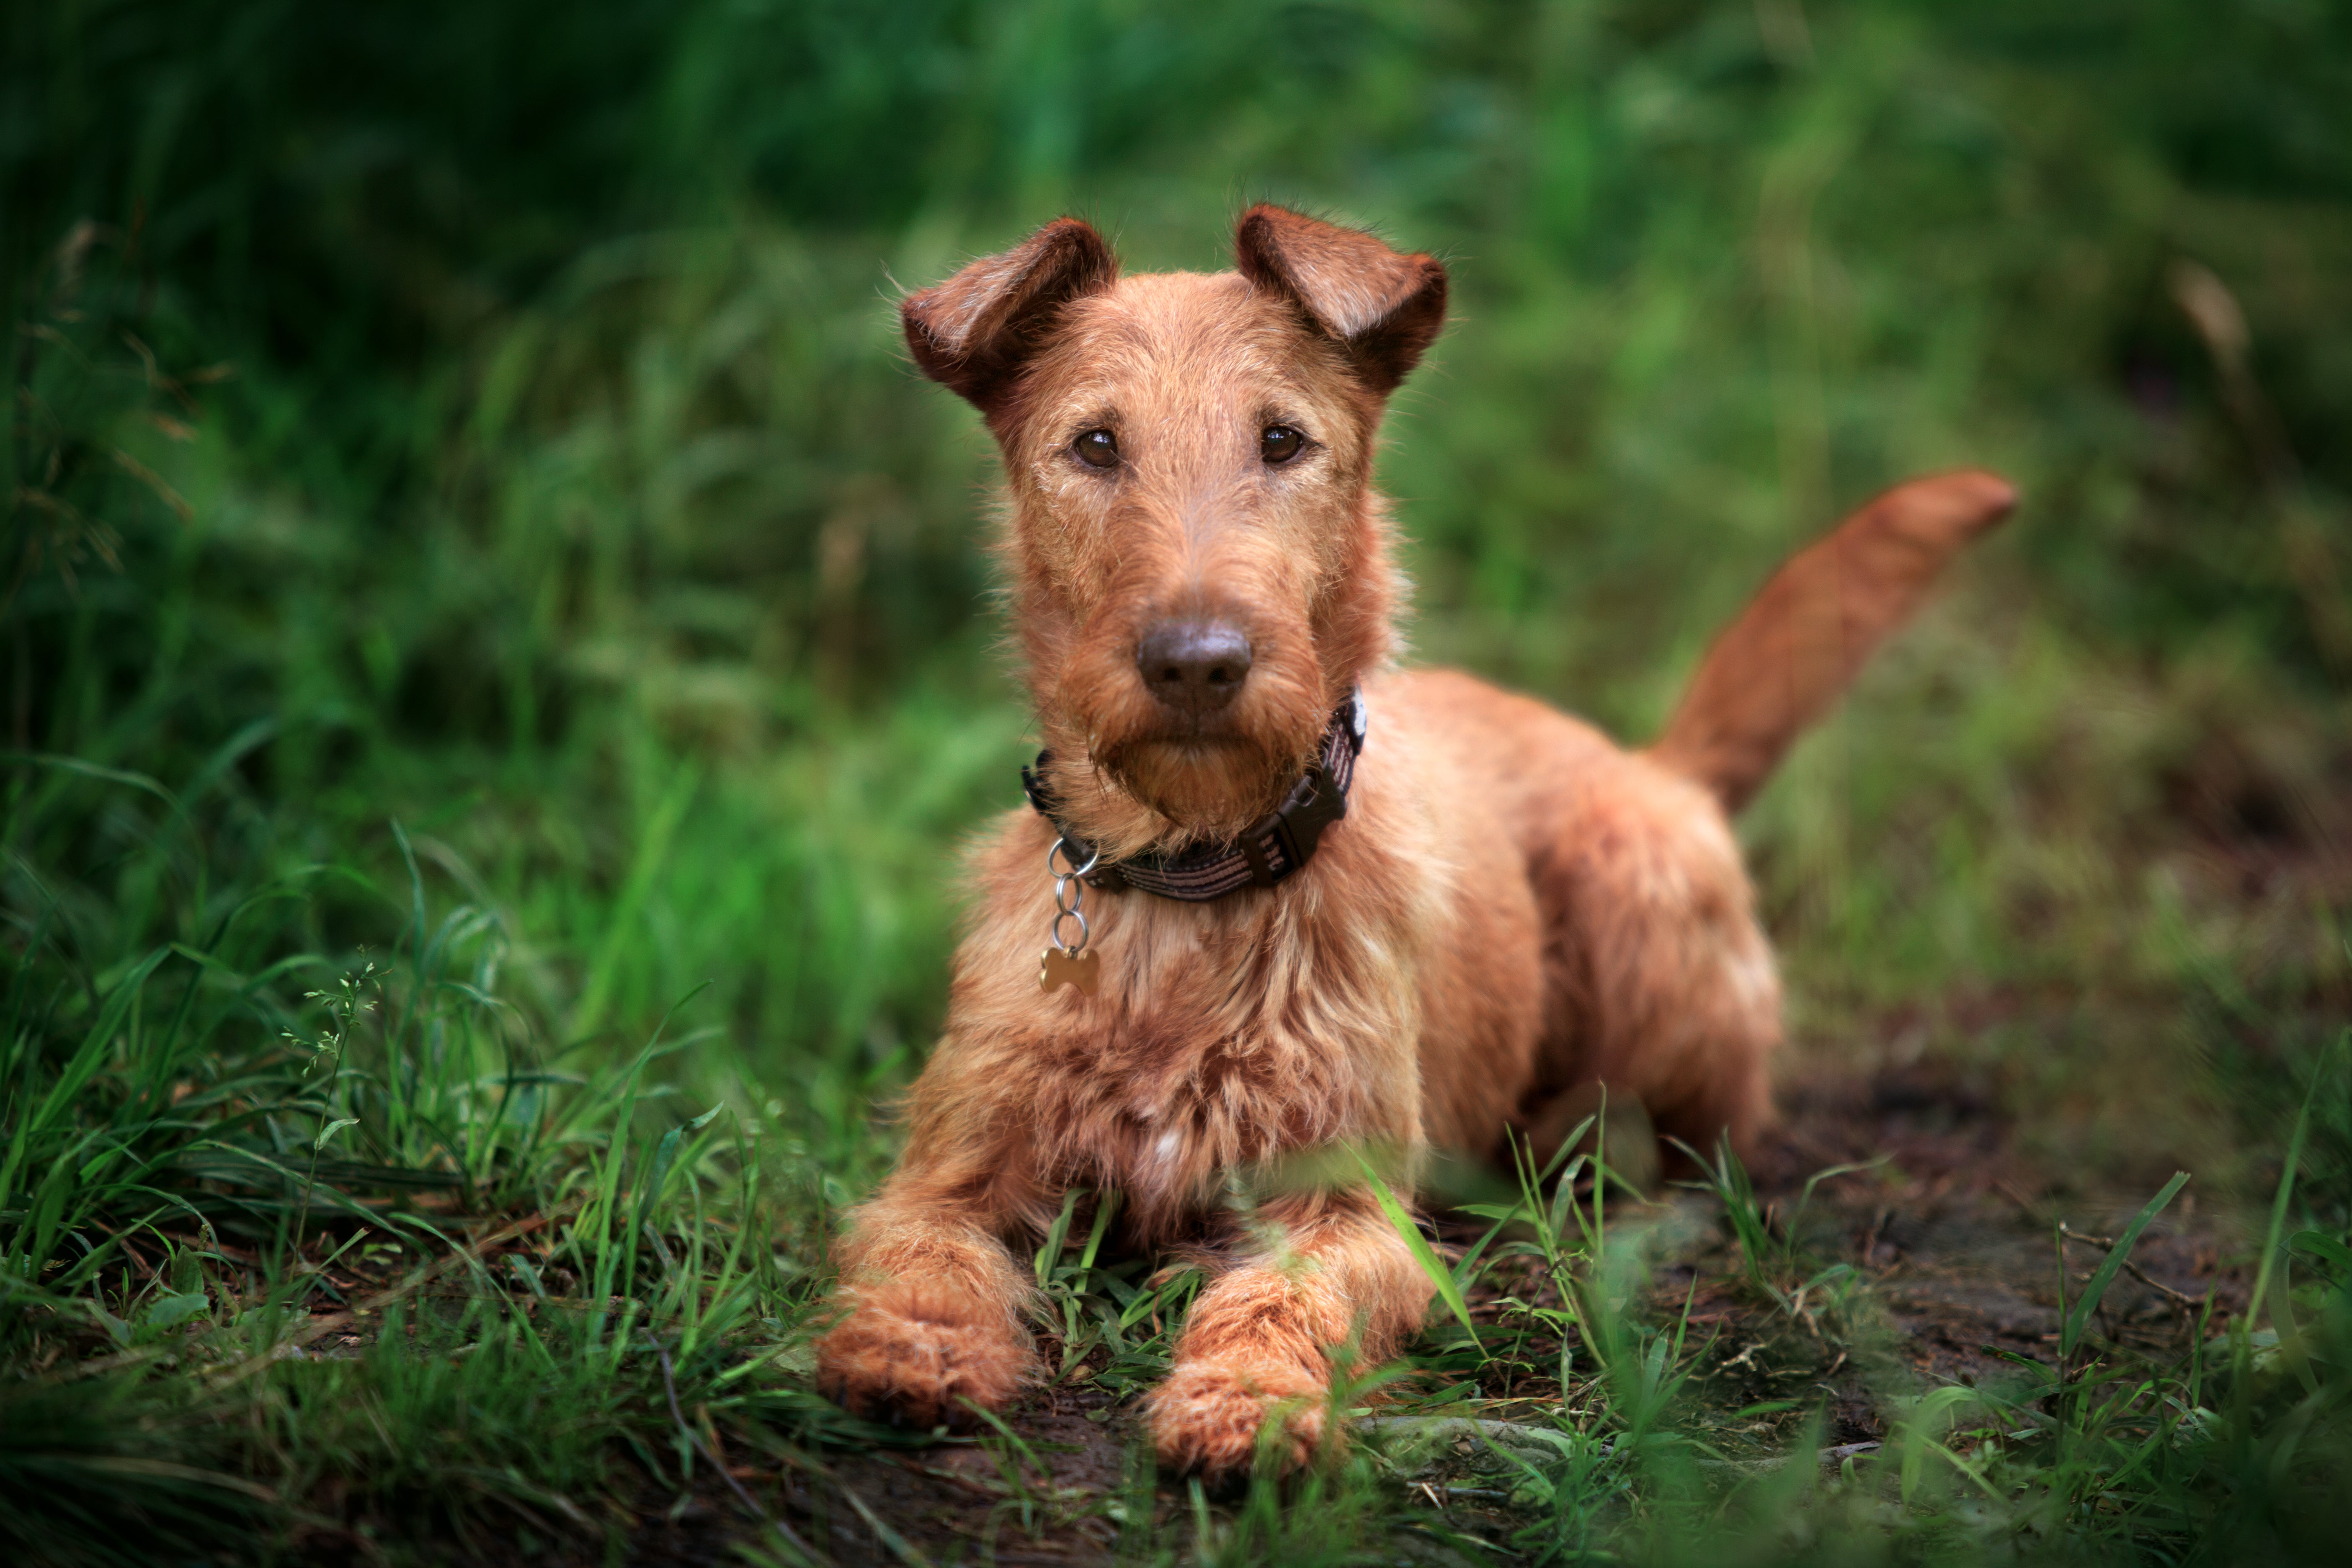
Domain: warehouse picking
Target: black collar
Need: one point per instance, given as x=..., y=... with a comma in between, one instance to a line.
x=1275, y=847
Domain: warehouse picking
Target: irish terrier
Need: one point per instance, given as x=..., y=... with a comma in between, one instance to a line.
x=1294, y=947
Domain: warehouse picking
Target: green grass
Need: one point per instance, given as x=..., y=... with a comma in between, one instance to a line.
x=499, y=667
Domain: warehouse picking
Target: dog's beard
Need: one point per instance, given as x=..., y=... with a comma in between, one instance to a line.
x=1211, y=787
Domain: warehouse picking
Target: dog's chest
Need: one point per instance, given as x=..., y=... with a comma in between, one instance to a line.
x=1219, y=1045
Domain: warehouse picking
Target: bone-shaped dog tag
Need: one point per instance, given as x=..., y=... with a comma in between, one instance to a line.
x=1059, y=968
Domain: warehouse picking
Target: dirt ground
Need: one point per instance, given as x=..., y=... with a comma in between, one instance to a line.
x=1952, y=1237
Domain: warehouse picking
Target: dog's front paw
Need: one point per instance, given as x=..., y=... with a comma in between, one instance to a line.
x=1208, y=1415
x=921, y=1361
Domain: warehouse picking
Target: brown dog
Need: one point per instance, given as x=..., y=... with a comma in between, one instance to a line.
x=1512, y=910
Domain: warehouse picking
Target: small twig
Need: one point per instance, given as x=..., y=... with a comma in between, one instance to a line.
x=122, y=1240
x=2107, y=1243
x=1827, y=1458
x=473, y=1254
x=1447, y=1428
x=2032, y=1209
x=73, y=1371
x=996, y=1493
x=784, y=1532
x=1877, y=1229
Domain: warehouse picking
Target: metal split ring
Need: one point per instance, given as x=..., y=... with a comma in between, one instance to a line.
x=1062, y=847
x=1070, y=894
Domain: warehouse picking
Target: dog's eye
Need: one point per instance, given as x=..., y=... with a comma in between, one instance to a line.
x=1279, y=443
x=1097, y=449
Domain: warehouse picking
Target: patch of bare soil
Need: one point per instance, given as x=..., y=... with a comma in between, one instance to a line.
x=971, y=1497
x=1956, y=1236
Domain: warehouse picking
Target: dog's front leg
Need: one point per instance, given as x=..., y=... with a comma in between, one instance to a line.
x=935, y=1310
x=1331, y=1279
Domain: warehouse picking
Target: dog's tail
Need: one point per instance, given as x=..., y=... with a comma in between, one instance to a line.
x=1791, y=652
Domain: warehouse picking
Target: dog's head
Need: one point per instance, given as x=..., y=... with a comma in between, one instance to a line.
x=1199, y=564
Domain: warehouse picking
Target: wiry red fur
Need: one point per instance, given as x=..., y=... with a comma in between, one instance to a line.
x=1513, y=911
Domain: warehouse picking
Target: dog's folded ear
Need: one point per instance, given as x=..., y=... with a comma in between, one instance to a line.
x=1383, y=307
x=973, y=332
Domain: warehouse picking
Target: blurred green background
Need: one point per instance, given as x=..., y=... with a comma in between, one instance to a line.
x=490, y=418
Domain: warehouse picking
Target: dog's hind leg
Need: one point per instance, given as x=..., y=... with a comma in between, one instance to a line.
x=1665, y=982
x=1660, y=979
x=1332, y=1278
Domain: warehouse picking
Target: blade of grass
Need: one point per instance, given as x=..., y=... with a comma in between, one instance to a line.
x=1422, y=1253
x=2281, y=1316
x=596, y=994
x=2078, y=1318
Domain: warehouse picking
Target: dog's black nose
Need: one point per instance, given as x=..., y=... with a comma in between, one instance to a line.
x=1194, y=666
